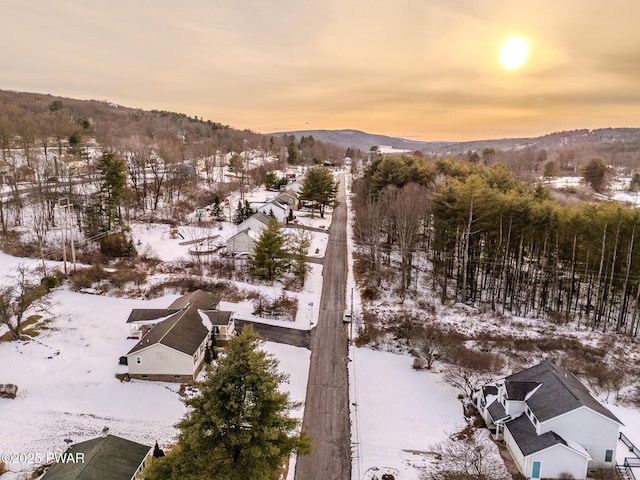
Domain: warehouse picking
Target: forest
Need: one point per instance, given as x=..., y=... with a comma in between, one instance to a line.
x=490, y=240
x=103, y=165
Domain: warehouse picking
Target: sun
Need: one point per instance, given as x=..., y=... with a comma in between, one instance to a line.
x=514, y=53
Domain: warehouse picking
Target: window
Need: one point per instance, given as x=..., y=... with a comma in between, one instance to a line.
x=608, y=455
x=138, y=360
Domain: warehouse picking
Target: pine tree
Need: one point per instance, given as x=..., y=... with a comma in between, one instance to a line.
x=238, y=427
x=243, y=212
x=299, y=250
x=157, y=451
x=318, y=189
x=269, y=255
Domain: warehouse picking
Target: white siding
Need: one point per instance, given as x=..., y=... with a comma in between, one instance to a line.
x=553, y=461
x=588, y=428
x=557, y=460
x=256, y=225
x=515, y=408
x=279, y=213
x=160, y=360
x=517, y=455
x=240, y=243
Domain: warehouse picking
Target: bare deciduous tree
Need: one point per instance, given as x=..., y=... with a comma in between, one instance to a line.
x=469, y=454
x=17, y=298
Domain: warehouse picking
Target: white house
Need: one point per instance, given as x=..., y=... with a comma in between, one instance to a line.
x=288, y=197
x=257, y=222
x=550, y=422
x=276, y=209
x=248, y=233
x=242, y=242
x=173, y=349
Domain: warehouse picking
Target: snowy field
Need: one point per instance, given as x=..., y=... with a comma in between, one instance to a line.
x=399, y=414
x=67, y=385
x=68, y=389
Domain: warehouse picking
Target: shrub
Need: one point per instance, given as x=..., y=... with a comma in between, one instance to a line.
x=86, y=277
x=50, y=282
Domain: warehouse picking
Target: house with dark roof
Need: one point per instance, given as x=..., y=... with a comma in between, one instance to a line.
x=274, y=208
x=550, y=422
x=288, y=197
x=106, y=458
x=173, y=348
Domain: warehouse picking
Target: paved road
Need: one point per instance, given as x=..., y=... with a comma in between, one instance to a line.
x=326, y=412
x=275, y=333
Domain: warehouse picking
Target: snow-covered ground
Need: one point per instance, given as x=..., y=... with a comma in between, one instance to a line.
x=68, y=389
x=398, y=414
x=67, y=384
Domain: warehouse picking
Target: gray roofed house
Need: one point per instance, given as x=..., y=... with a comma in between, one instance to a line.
x=567, y=392
x=550, y=422
x=173, y=350
x=524, y=433
x=104, y=458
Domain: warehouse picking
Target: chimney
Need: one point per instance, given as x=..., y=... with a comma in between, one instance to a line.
x=105, y=432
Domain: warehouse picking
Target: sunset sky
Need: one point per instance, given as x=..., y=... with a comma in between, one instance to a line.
x=418, y=69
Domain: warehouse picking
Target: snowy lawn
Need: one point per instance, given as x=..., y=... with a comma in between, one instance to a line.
x=67, y=385
x=400, y=413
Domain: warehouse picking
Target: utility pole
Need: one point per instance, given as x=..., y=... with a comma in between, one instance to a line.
x=63, y=229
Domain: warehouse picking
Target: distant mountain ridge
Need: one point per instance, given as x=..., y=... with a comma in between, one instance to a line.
x=364, y=141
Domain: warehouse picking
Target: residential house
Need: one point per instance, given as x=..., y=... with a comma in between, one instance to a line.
x=242, y=242
x=257, y=222
x=173, y=349
x=288, y=197
x=248, y=233
x=550, y=422
x=274, y=208
x=107, y=457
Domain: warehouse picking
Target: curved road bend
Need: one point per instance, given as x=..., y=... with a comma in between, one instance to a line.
x=326, y=412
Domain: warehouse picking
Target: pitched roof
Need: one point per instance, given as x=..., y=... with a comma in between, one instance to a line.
x=261, y=217
x=107, y=458
x=528, y=441
x=198, y=298
x=218, y=318
x=183, y=331
x=560, y=392
x=489, y=390
x=519, y=390
x=147, y=314
x=496, y=410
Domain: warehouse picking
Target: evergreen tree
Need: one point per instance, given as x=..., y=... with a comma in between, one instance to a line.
x=217, y=210
x=299, y=250
x=238, y=427
x=114, y=181
x=157, y=451
x=243, y=212
x=269, y=257
x=595, y=174
x=293, y=154
x=319, y=189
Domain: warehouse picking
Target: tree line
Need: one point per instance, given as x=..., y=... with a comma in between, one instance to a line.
x=487, y=238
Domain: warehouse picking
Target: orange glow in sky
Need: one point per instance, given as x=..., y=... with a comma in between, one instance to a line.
x=421, y=70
